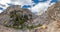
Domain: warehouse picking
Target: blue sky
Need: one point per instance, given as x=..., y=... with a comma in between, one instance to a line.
x=33, y=5
x=37, y=1
x=1, y=8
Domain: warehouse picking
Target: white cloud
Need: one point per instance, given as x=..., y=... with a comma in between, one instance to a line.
x=4, y=1
x=41, y=7
x=15, y=2
x=22, y=2
x=3, y=4
x=0, y=11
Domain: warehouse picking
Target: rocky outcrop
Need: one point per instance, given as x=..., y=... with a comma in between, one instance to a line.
x=16, y=14
x=54, y=13
x=50, y=19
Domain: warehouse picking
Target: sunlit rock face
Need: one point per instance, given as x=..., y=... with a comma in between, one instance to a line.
x=54, y=13
x=50, y=19
x=53, y=27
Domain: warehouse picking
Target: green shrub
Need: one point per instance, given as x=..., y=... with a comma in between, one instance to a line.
x=19, y=19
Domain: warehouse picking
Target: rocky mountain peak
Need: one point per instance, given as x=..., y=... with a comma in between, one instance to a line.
x=15, y=16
